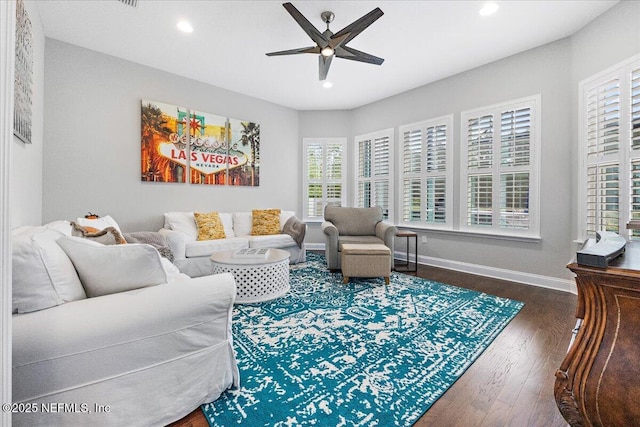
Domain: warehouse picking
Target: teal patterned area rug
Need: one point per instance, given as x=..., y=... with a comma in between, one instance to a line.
x=361, y=354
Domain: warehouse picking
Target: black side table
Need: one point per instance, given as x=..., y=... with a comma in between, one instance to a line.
x=405, y=268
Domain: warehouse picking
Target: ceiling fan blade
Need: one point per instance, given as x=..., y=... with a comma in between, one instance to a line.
x=325, y=63
x=357, y=26
x=356, y=55
x=335, y=42
x=310, y=49
x=307, y=26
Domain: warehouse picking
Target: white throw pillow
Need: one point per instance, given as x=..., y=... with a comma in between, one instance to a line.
x=43, y=275
x=242, y=223
x=99, y=223
x=227, y=224
x=62, y=226
x=109, y=269
x=183, y=222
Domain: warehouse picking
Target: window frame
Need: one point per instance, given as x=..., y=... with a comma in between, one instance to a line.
x=497, y=170
x=423, y=175
x=624, y=157
x=389, y=177
x=324, y=181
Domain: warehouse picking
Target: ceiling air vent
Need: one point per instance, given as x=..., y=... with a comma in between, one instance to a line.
x=132, y=3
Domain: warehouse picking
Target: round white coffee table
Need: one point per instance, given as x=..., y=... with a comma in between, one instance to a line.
x=257, y=280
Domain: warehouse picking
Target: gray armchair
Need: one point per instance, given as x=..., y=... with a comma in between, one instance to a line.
x=354, y=225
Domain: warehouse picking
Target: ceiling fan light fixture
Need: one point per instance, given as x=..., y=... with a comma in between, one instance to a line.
x=327, y=51
x=327, y=84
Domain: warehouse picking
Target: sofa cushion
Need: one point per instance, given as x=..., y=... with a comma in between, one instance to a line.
x=209, y=226
x=265, y=222
x=182, y=222
x=200, y=248
x=106, y=269
x=354, y=221
x=227, y=223
x=272, y=241
x=242, y=223
x=42, y=274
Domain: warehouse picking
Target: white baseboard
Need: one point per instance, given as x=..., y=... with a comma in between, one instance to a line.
x=555, y=283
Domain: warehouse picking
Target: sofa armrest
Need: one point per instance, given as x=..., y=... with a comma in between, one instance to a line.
x=176, y=242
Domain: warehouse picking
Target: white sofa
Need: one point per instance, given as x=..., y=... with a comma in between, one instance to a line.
x=145, y=356
x=191, y=256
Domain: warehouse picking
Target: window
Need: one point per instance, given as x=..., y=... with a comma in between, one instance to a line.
x=426, y=181
x=373, y=166
x=499, y=164
x=324, y=172
x=610, y=150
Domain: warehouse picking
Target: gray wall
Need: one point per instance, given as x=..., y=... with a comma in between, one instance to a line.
x=26, y=159
x=92, y=144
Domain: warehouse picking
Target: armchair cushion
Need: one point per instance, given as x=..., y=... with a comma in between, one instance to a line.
x=354, y=221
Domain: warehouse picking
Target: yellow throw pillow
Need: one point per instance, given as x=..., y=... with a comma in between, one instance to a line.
x=209, y=226
x=265, y=222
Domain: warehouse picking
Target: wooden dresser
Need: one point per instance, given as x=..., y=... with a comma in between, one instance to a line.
x=598, y=383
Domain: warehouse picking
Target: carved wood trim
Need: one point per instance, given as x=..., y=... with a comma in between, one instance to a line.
x=596, y=384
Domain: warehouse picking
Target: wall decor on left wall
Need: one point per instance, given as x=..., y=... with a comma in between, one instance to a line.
x=177, y=142
x=23, y=75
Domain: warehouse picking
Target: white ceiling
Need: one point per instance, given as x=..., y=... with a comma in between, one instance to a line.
x=421, y=41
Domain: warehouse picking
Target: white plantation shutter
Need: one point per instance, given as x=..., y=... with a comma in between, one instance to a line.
x=436, y=148
x=514, y=200
x=480, y=142
x=603, y=198
x=500, y=166
x=635, y=108
x=411, y=200
x=610, y=149
x=427, y=173
x=480, y=200
x=515, y=137
x=324, y=173
x=373, y=180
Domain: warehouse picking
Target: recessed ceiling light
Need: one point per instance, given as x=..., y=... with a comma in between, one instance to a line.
x=327, y=84
x=488, y=9
x=185, y=27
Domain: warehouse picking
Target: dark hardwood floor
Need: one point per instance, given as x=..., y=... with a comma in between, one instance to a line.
x=511, y=383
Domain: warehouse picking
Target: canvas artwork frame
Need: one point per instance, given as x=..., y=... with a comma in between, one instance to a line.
x=22, y=119
x=180, y=144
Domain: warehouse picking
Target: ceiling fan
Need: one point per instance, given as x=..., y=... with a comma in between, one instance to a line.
x=329, y=44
